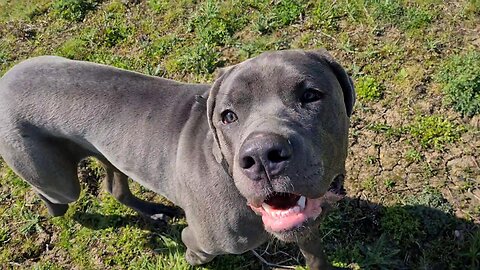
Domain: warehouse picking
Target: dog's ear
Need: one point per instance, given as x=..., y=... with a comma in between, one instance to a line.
x=345, y=81
x=211, y=102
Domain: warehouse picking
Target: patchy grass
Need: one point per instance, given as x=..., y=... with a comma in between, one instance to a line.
x=401, y=225
x=413, y=155
x=460, y=78
x=22, y=9
x=368, y=89
x=390, y=132
x=73, y=48
x=282, y=13
x=199, y=59
x=380, y=255
x=435, y=131
x=73, y=10
x=413, y=174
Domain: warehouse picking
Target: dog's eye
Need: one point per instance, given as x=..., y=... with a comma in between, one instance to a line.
x=311, y=95
x=228, y=117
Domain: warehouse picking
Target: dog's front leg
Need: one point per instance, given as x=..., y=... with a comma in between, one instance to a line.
x=312, y=248
x=194, y=255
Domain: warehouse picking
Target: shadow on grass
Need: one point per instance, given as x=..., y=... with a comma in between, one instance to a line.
x=96, y=221
x=163, y=239
x=421, y=234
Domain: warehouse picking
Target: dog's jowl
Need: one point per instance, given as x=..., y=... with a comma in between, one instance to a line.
x=260, y=152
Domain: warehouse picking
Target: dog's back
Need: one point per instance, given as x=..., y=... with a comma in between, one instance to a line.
x=55, y=112
x=30, y=133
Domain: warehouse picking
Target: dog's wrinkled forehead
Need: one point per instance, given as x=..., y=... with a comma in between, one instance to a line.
x=273, y=73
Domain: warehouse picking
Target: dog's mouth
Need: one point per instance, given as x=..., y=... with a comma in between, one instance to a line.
x=282, y=211
x=287, y=211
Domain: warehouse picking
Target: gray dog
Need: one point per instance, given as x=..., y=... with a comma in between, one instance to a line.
x=254, y=154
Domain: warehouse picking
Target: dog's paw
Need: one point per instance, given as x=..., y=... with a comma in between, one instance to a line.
x=159, y=213
x=159, y=217
x=158, y=220
x=165, y=210
x=197, y=259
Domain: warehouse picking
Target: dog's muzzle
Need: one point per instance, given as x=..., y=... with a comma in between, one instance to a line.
x=264, y=155
x=283, y=212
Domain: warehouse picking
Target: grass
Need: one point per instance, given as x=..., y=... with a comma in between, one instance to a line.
x=24, y=10
x=73, y=48
x=283, y=13
x=401, y=225
x=368, y=89
x=460, y=79
x=73, y=10
x=389, y=131
x=415, y=65
x=435, y=131
x=413, y=155
x=380, y=255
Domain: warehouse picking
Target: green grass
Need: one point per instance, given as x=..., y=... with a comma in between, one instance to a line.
x=472, y=7
x=435, y=131
x=73, y=48
x=73, y=10
x=472, y=252
x=22, y=9
x=277, y=15
x=415, y=65
x=413, y=155
x=389, y=131
x=4, y=234
x=460, y=79
x=368, y=89
x=401, y=225
x=380, y=255
x=198, y=59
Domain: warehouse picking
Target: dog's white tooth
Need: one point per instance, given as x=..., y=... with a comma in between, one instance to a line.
x=296, y=209
x=267, y=208
x=301, y=202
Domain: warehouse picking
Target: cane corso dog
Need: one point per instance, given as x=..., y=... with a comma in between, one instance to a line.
x=257, y=153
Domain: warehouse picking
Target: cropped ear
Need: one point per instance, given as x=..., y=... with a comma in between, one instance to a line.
x=345, y=81
x=211, y=102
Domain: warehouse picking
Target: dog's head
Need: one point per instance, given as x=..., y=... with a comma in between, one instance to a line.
x=280, y=122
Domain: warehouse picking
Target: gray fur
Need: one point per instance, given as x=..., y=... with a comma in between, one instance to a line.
x=169, y=138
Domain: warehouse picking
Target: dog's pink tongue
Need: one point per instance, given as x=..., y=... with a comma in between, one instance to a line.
x=283, y=223
x=278, y=223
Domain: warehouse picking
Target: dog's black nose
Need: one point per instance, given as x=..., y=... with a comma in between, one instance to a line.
x=264, y=153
